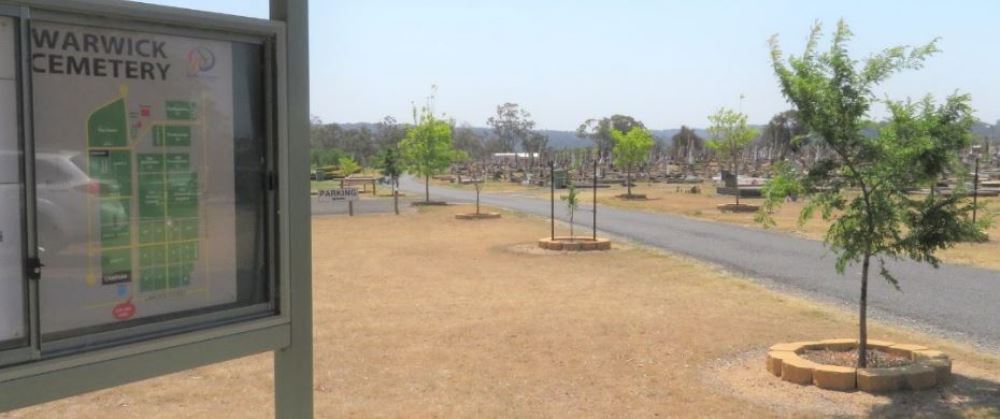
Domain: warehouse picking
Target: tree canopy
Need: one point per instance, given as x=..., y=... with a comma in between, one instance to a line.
x=427, y=148
x=862, y=187
x=512, y=124
x=631, y=149
x=730, y=134
x=599, y=131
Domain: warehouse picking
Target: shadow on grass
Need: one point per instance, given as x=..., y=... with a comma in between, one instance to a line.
x=964, y=397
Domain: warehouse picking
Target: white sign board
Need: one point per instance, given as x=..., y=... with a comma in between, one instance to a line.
x=135, y=174
x=333, y=195
x=11, y=257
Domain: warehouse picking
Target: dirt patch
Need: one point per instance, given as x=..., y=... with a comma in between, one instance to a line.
x=974, y=392
x=876, y=358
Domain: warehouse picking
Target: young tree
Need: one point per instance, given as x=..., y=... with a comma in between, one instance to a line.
x=864, y=180
x=631, y=149
x=599, y=131
x=348, y=166
x=730, y=136
x=391, y=164
x=427, y=148
x=572, y=202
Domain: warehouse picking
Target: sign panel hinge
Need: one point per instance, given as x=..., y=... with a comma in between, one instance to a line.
x=33, y=267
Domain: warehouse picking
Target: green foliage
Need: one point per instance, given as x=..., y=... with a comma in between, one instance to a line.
x=599, y=130
x=572, y=199
x=915, y=147
x=729, y=134
x=862, y=186
x=783, y=183
x=390, y=163
x=632, y=148
x=512, y=125
x=348, y=166
x=322, y=157
x=427, y=148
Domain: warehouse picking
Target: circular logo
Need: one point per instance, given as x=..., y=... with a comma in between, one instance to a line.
x=200, y=60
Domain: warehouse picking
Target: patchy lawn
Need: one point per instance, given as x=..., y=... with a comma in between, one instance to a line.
x=423, y=315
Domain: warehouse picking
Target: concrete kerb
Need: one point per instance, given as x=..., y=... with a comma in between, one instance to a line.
x=931, y=368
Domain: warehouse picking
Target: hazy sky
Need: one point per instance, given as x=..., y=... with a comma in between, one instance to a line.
x=666, y=63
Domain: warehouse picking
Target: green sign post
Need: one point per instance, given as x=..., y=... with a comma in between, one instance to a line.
x=149, y=240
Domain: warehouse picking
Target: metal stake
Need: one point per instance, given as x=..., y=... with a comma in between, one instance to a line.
x=552, y=189
x=975, y=190
x=595, y=201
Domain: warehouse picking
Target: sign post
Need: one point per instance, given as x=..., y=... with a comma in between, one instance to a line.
x=293, y=365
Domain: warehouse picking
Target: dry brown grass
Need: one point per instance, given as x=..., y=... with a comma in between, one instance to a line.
x=423, y=315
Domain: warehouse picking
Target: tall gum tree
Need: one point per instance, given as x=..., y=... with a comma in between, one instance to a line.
x=861, y=186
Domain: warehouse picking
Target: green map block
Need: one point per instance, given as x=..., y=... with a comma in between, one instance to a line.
x=182, y=195
x=152, y=256
x=113, y=170
x=115, y=227
x=152, y=196
x=107, y=126
x=152, y=231
x=153, y=279
x=151, y=163
x=182, y=253
x=116, y=266
x=183, y=229
x=179, y=275
x=177, y=109
x=178, y=162
x=171, y=136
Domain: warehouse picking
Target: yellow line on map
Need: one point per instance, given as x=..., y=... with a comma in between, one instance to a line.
x=91, y=278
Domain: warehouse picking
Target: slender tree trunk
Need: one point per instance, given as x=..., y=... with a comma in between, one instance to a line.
x=863, y=313
x=628, y=180
x=395, y=195
x=427, y=188
x=477, y=199
x=571, y=235
x=736, y=174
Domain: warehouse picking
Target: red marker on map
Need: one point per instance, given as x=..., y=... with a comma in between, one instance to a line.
x=124, y=311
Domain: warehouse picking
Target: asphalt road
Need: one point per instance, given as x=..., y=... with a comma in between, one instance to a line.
x=954, y=301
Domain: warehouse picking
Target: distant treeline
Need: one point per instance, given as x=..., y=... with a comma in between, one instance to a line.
x=365, y=141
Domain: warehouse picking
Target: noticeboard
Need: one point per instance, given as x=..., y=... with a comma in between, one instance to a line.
x=144, y=155
x=147, y=152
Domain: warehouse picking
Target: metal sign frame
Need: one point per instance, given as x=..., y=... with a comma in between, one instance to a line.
x=49, y=375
